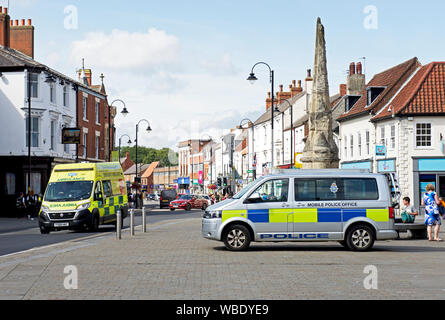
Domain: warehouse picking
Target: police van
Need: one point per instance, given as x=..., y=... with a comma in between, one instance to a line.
x=352, y=207
x=83, y=196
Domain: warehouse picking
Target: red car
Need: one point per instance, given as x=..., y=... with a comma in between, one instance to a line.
x=189, y=202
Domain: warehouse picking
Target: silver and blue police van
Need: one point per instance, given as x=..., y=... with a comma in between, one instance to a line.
x=352, y=207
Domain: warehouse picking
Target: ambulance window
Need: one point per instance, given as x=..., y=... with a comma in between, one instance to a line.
x=107, y=188
x=304, y=190
x=271, y=191
x=98, y=188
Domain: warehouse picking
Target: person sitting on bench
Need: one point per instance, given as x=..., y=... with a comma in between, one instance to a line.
x=409, y=213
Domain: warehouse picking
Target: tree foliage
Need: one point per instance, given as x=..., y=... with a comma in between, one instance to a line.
x=165, y=156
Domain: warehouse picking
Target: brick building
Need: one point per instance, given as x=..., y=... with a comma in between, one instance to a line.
x=92, y=119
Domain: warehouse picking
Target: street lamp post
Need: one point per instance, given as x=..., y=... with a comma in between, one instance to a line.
x=120, y=139
x=252, y=80
x=110, y=134
x=137, y=141
x=250, y=123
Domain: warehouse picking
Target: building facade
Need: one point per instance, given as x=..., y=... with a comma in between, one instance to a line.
x=398, y=127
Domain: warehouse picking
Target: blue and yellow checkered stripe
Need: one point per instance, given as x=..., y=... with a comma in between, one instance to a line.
x=114, y=203
x=306, y=215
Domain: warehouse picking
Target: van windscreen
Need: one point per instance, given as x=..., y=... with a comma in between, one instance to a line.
x=68, y=191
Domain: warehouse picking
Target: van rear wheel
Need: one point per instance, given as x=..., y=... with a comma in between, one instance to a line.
x=237, y=238
x=360, y=238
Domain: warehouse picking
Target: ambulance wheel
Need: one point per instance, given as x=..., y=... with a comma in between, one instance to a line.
x=237, y=238
x=95, y=223
x=44, y=230
x=360, y=238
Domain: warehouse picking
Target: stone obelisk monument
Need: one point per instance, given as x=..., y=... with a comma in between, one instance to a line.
x=320, y=151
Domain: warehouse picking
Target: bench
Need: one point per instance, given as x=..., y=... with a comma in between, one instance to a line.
x=415, y=230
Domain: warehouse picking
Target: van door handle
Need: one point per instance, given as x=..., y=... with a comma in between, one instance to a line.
x=285, y=205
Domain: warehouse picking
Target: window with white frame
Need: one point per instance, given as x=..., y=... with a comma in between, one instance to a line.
x=35, y=132
x=351, y=141
x=53, y=135
x=97, y=146
x=97, y=112
x=359, y=140
x=85, y=104
x=423, y=135
x=66, y=96
x=382, y=136
x=85, y=143
x=34, y=81
x=393, y=137
x=368, y=141
x=52, y=92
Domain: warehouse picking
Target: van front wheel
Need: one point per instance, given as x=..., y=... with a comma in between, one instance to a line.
x=237, y=238
x=95, y=224
x=360, y=238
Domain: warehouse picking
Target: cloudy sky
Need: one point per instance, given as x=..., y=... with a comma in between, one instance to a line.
x=182, y=65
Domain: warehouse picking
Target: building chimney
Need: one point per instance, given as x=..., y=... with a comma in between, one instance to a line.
x=22, y=37
x=309, y=81
x=343, y=90
x=355, y=82
x=352, y=68
x=268, y=102
x=359, y=68
x=5, y=27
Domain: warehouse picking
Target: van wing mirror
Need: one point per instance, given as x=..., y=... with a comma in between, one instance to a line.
x=98, y=197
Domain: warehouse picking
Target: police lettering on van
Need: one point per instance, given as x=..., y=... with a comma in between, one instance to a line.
x=352, y=207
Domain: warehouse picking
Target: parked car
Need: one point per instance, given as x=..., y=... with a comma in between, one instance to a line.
x=153, y=197
x=189, y=202
x=166, y=197
x=209, y=200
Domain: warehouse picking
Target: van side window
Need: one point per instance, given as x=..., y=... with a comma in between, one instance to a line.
x=330, y=189
x=304, y=190
x=107, y=188
x=360, y=189
x=271, y=191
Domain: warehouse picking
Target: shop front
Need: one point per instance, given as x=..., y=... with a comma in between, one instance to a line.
x=183, y=184
x=428, y=171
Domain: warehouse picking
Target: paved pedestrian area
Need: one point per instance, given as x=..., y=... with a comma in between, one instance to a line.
x=173, y=261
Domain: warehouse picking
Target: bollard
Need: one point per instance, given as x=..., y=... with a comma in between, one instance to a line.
x=144, y=220
x=119, y=225
x=132, y=222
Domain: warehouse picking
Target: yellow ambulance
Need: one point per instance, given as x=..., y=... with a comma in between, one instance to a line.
x=82, y=196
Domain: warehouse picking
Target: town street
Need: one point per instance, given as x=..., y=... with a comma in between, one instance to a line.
x=25, y=235
x=173, y=261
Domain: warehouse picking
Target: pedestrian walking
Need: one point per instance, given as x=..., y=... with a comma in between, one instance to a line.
x=21, y=205
x=432, y=216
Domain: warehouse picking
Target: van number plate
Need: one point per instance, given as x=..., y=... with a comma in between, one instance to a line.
x=58, y=225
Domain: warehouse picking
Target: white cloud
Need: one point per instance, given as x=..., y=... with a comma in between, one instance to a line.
x=122, y=50
x=183, y=96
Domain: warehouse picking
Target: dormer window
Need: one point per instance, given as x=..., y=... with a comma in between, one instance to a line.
x=373, y=93
x=350, y=101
